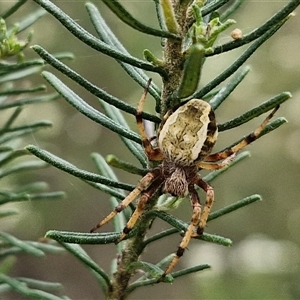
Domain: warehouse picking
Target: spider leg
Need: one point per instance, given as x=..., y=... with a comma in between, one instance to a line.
x=144, y=199
x=243, y=143
x=195, y=221
x=143, y=184
x=152, y=153
x=208, y=203
x=227, y=156
x=217, y=166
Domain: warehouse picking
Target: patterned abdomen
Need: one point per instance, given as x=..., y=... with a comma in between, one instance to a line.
x=189, y=133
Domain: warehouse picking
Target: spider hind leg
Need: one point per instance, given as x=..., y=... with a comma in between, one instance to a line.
x=244, y=142
x=151, y=152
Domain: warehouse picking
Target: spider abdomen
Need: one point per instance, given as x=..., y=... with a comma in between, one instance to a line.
x=189, y=133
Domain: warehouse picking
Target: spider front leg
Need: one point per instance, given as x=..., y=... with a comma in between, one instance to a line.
x=145, y=197
x=142, y=186
x=208, y=203
x=195, y=221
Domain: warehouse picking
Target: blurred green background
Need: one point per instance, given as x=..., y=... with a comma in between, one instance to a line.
x=264, y=260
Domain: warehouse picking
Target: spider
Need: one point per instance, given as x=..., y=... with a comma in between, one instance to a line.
x=185, y=139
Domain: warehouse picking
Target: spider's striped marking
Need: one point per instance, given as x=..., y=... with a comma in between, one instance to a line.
x=188, y=134
x=186, y=137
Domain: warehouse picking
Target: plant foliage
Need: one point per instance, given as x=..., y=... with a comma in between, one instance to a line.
x=188, y=31
x=16, y=95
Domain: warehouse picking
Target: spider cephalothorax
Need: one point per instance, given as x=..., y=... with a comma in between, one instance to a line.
x=186, y=137
x=177, y=177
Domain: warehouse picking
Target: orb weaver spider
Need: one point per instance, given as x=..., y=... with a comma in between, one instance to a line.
x=185, y=139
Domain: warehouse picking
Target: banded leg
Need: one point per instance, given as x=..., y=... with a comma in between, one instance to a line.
x=195, y=221
x=152, y=153
x=143, y=184
x=244, y=142
x=216, y=166
x=208, y=203
x=144, y=199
